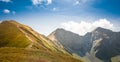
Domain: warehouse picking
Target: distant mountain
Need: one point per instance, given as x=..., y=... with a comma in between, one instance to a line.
x=72, y=42
x=68, y=39
x=103, y=43
x=20, y=43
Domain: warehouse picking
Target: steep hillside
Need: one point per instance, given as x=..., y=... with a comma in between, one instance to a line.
x=20, y=43
x=13, y=34
x=10, y=54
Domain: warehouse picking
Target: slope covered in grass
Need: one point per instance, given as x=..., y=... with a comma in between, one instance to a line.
x=14, y=34
x=33, y=55
x=20, y=43
x=12, y=37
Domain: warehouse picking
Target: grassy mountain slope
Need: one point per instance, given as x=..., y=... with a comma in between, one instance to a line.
x=33, y=55
x=12, y=37
x=19, y=43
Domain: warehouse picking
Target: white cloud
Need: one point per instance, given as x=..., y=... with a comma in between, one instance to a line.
x=6, y=1
x=49, y=2
x=38, y=2
x=83, y=27
x=6, y=11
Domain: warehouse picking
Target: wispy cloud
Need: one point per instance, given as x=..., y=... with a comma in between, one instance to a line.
x=81, y=2
x=83, y=27
x=6, y=1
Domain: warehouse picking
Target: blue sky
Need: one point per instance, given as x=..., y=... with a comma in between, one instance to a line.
x=47, y=15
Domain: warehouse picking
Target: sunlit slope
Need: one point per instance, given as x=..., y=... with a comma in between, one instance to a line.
x=33, y=55
x=20, y=43
x=13, y=34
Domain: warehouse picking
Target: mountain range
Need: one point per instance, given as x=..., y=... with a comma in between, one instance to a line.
x=102, y=43
x=20, y=43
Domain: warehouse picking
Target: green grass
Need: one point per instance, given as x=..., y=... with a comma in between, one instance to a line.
x=10, y=36
x=33, y=55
